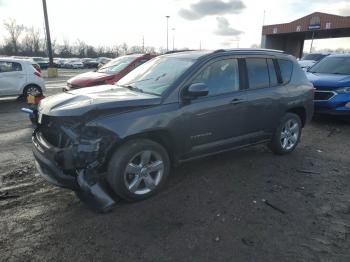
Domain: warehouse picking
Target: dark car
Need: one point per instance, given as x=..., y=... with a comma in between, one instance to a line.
x=310, y=59
x=331, y=78
x=90, y=63
x=42, y=62
x=171, y=109
x=108, y=73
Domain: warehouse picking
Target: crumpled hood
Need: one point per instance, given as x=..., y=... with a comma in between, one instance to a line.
x=89, y=77
x=82, y=101
x=328, y=81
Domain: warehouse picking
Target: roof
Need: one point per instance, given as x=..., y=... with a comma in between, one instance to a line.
x=340, y=55
x=316, y=20
x=11, y=59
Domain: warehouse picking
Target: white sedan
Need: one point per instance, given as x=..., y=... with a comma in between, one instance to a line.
x=74, y=64
x=19, y=77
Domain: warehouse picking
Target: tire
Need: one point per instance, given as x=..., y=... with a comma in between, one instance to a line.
x=285, y=140
x=32, y=90
x=138, y=181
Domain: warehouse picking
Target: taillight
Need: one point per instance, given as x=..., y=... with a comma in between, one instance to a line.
x=37, y=74
x=37, y=67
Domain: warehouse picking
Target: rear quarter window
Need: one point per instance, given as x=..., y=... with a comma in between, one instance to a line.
x=286, y=69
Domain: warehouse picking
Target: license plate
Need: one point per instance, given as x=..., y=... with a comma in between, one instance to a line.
x=31, y=99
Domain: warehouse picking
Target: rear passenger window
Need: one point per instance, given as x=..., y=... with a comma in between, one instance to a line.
x=9, y=66
x=286, y=68
x=258, y=74
x=272, y=73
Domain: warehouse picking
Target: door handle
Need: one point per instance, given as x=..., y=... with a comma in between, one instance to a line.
x=237, y=101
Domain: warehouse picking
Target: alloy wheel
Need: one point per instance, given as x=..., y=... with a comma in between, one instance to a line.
x=290, y=134
x=33, y=90
x=144, y=172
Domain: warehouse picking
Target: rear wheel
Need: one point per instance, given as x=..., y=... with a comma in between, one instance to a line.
x=138, y=169
x=33, y=90
x=287, y=134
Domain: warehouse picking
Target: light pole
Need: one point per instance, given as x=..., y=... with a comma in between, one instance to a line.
x=47, y=29
x=173, y=29
x=312, y=41
x=167, y=32
x=52, y=72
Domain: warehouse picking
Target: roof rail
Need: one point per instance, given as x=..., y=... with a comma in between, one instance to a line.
x=250, y=50
x=179, y=51
x=219, y=50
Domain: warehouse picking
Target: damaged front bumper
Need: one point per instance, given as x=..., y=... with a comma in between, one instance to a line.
x=85, y=181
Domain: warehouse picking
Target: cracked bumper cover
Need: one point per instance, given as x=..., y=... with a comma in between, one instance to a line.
x=88, y=189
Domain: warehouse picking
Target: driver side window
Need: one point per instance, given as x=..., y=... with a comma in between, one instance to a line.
x=220, y=77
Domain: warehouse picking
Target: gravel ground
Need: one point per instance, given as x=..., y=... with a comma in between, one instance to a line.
x=246, y=205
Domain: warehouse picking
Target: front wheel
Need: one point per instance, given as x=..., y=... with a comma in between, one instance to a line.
x=138, y=169
x=287, y=134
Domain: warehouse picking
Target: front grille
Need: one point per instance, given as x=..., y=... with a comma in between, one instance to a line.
x=323, y=95
x=51, y=130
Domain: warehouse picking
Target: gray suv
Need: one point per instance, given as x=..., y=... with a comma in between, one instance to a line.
x=122, y=139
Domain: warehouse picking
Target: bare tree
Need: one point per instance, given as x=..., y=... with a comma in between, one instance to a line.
x=91, y=52
x=14, y=30
x=136, y=49
x=81, y=47
x=32, y=44
x=124, y=48
x=66, y=49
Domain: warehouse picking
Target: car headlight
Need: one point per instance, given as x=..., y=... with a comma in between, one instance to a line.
x=343, y=90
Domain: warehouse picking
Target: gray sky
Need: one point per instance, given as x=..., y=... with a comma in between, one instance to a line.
x=217, y=23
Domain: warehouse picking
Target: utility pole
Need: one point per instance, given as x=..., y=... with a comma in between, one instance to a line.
x=143, y=44
x=312, y=41
x=173, y=29
x=51, y=70
x=167, y=32
x=200, y=44
x=263, y=23
x=48, y=38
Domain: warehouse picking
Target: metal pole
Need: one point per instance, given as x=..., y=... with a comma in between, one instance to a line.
x=48, y=38
x=312, y=41
x=264, y=18
x=173, y=38
x=167, y=33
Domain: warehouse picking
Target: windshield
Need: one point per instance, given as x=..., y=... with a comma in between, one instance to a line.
x=315, y=57
x=116, y=65
x=156, y=75
x=332, y=65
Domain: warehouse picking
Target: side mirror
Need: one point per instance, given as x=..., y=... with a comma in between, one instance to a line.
x=196, y=90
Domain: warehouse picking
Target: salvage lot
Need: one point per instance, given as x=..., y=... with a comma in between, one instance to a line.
x=210, y=210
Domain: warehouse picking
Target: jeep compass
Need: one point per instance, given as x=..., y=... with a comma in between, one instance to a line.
x=123, y=138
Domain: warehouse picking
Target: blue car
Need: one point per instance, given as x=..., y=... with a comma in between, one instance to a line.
x=331, y=79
